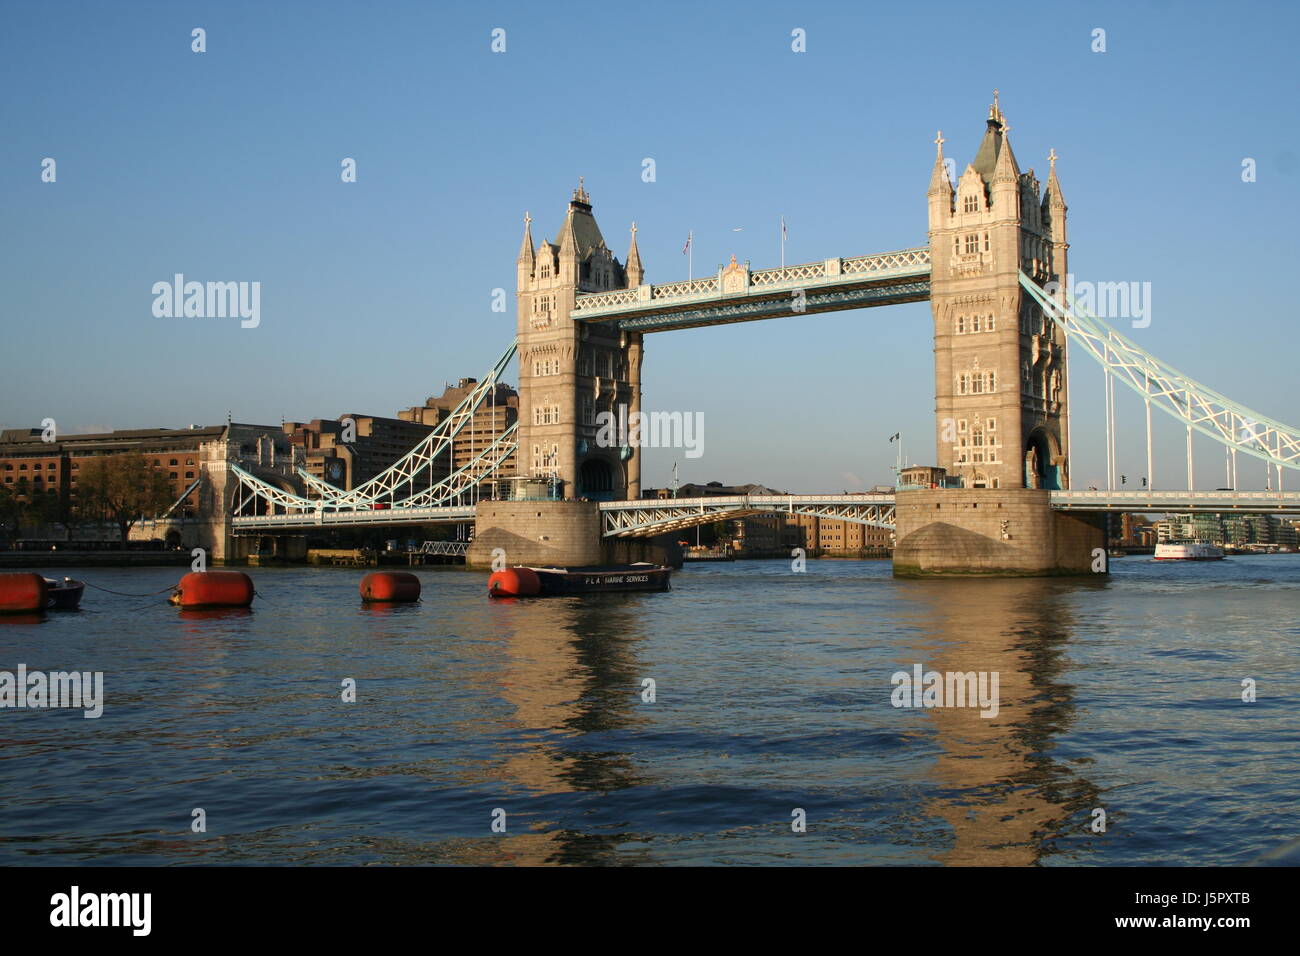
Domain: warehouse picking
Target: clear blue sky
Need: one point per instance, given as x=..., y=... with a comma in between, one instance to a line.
x=225, y=166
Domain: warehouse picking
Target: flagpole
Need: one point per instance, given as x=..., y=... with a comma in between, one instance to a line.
x=783, y=242
x=690, y=255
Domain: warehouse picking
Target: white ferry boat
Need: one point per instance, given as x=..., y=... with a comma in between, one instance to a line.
x=1185, y=549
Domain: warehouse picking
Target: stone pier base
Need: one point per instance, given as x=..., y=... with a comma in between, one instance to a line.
x=552, y=533
x=998, y=532
x=226, y=548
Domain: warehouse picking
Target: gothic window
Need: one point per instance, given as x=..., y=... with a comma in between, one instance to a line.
x=991, y=381
x=972, y=244
x=956, y=245
x=977, y=383
x=961, y=424
x=986, y=242
x=961, y=325
x=972, y=204
x=546, y=270
x=975, y=323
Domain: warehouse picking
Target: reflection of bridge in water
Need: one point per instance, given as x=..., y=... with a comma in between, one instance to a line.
x=1003, y=794
x=588, y=772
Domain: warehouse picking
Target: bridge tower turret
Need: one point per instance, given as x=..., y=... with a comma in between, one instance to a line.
x=569, y=372
x=1000, y=387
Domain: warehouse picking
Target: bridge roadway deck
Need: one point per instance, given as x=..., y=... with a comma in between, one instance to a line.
x=1118, y=502
x=383, y=516
x=648, y=516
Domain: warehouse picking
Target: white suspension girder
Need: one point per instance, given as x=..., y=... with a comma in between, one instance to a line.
x=1181, y=396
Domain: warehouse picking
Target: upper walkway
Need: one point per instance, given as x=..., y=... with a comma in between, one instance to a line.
x=739, y=294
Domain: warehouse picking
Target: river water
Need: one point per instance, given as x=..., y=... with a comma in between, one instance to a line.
x=772, y=695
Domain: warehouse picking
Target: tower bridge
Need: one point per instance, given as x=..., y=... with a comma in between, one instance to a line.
x=994, y=272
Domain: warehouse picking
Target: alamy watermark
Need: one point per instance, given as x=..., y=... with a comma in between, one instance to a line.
x=127, y=910
x=651, y=430
x=38, y=690
x=1109, y=300
x=953, y=689
x=211, y=300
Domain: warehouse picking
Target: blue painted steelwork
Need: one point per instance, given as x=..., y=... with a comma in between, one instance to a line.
x=651, y=516
x=737, y=294
x=893, y=294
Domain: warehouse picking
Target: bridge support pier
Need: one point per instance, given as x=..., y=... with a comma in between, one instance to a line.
x=995, y=532
x=552, y=533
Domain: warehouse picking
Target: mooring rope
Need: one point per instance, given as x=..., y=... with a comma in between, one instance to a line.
x=170, y=587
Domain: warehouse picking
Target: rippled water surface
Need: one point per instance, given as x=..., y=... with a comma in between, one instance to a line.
x=772, y=693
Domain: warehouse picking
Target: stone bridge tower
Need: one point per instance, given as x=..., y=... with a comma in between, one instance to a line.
x=1000, y=375
x=571, y=372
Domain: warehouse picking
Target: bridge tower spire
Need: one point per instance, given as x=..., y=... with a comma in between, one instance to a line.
x=570, y=373
x=1000, y=391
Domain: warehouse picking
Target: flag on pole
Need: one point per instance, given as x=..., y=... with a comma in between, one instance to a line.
x=687, y=247
x=784, y=233
x=895, y=436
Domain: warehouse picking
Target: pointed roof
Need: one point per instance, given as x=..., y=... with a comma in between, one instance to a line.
x=580, y=236
x=986, y=158
x=939, y=181
x=526, y=253
x=1053, y=194
x=634, y=256
x=1006, y=169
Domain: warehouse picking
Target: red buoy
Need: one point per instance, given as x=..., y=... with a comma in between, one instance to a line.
x=390, y=586
x=214, y=589
x=514, y=582
x=22, y=593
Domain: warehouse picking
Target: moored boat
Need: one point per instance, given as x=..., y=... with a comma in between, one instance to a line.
x=1187, y=549
x=548, y=582
x=708, y=554
x=63, y=595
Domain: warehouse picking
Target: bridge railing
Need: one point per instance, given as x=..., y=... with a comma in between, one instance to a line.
x=445, y=548
x=764, y=501
x=1266, y=502
x=649, y=516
